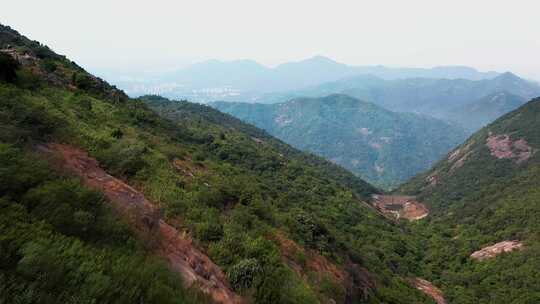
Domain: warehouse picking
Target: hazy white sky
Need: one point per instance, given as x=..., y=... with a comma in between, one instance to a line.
x=120, y=34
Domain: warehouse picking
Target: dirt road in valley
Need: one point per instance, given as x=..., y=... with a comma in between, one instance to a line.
x=400, y=206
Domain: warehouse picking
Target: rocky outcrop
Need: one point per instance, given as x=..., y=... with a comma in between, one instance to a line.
x=496, y=249
x=502, y=147
x=428, y=288
x=193, y=265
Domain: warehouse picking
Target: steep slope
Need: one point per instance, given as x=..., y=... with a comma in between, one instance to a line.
x=482, y=237
x=283, y=226
x=380, y=146
x=431, y=96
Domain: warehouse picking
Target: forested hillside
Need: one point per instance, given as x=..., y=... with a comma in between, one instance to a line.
x=108, y=199
x=485, y=192
x=477, y=114
x=382, y=147
x=285, y=227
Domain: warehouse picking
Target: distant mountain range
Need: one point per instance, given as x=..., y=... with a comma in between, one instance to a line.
x=247, y=80
x=381, y=146
x=441, y=98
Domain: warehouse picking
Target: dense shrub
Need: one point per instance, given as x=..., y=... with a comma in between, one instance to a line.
x=242, y=274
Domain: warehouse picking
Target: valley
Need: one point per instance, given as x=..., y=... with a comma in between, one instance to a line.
x=383, y=147
x=407, y=185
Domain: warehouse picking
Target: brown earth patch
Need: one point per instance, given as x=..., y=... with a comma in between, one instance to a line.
x=429, y=289
x=400, y=206
x=502, y=147
x=192, y=264
x=496, y=249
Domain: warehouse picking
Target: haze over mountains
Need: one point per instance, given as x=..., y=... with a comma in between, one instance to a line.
x=458, y=107
x=441, y=92
x=247, y=80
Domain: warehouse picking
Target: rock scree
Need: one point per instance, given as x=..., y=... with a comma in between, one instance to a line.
x=502, y=146
x=192, y=264
x=496, y=249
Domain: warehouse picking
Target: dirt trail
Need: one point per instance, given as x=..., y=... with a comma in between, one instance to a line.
x=194, y=266
x=496, y=249
x=428, y=288
x=400, y=206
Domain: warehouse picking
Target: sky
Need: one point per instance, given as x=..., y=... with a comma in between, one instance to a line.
x=134, y=36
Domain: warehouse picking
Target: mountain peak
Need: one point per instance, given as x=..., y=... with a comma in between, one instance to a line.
x=315, y=61
x=322, y=59
x=508, y=76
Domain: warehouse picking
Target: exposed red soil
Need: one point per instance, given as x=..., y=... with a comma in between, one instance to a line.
x=502, y=146
x=194, y=266
x=400, y=206
x=356, y=279
x=496, y=249
x=428, y=288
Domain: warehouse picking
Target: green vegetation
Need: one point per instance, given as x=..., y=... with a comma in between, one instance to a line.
x=61, y=243
x=259, y=208
x=382, y=147
x=441, y=98
x=229, y=185
x=485, y=201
